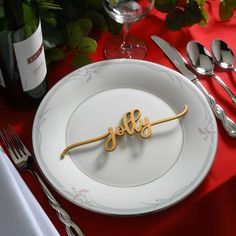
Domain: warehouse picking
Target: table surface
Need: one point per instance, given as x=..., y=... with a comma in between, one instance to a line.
x=211, y=208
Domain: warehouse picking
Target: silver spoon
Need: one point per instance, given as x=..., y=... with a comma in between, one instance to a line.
x=202, y=62
x=223, y=54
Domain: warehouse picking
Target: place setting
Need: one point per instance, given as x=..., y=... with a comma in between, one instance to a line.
x=96, y=155
x=146, y=164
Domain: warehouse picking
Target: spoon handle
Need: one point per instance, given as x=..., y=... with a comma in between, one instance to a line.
x=230, y=93
x=228, y=124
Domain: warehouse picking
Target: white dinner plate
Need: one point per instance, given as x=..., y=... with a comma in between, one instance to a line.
x=140, y=175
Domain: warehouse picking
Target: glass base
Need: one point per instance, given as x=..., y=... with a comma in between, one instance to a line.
x=134, y=48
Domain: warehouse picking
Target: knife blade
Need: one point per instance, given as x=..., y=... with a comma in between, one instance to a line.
x=181, y=64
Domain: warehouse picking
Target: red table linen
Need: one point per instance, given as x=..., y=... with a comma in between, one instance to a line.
x=209, y=210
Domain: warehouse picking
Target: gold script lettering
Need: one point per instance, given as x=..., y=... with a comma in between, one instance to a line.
x=131, y=123
x=131, y=120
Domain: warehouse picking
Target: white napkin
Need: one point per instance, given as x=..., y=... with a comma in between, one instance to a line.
x=20, y=213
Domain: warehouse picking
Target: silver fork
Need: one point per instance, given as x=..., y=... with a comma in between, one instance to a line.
x=23, y=159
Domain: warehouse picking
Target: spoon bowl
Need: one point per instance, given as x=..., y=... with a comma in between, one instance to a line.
x=222, y=54
x=202, y=62
x=200, y=58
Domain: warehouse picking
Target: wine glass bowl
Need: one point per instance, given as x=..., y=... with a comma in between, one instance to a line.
x=126, y=12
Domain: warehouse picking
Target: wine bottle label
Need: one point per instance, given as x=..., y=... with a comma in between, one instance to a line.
x=2, y=83
x=31, y=60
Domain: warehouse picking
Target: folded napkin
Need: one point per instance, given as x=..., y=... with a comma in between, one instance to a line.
x=20, y=213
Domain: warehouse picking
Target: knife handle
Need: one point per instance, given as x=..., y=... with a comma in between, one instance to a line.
x=228, y=124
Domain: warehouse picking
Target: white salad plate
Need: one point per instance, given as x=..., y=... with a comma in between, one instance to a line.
x=140, y=175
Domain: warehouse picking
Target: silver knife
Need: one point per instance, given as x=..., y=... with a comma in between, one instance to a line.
x=181, y=64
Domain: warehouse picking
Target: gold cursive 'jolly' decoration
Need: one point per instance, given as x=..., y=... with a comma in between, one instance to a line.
x=131, y=123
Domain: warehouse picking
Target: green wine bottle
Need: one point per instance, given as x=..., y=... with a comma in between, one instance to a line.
x=22, y=60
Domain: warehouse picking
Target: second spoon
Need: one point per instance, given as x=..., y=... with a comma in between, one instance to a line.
x=223, y=54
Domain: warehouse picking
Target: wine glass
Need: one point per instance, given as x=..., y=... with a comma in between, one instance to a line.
x=126, y=12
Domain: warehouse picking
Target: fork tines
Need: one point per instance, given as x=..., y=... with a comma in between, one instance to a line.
x=13, y=143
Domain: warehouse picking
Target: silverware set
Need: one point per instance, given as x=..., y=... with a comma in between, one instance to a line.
x=24, y=160
x=225, y=58
x=203, y=63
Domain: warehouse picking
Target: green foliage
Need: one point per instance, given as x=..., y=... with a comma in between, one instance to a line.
x=185, y=13
x=75, y=36
x=97, y=18
x=85, y=25
x=165, y=5
x=227, y=8
x=48, y=5
x=192, y=14
x=67, y=24
x=55, y=54
x=30, y=18
x=76, y=42
x=87, y=46
x=46, y=8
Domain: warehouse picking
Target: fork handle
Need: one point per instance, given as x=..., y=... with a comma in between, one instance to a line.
x=71, y=228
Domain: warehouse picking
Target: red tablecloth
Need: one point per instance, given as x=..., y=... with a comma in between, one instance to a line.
x=209, y=210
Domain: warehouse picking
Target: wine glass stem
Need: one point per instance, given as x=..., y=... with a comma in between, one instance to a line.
x=125, y=31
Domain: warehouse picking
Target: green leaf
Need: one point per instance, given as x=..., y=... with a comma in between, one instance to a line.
x=192, y=13
x=233, y=3
x=75, y=36
x=175, y=19
x=87, y=45
x=28, y=13
x=98, y=20
x=204, y=13
x=48, y=4
x=226, y=10
x=204, y=20
x=201, y=3
x=85, y=25
x=55, y=54
x=165, y=5
x=80, y=60
x=49, y=18
x=30, y=19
